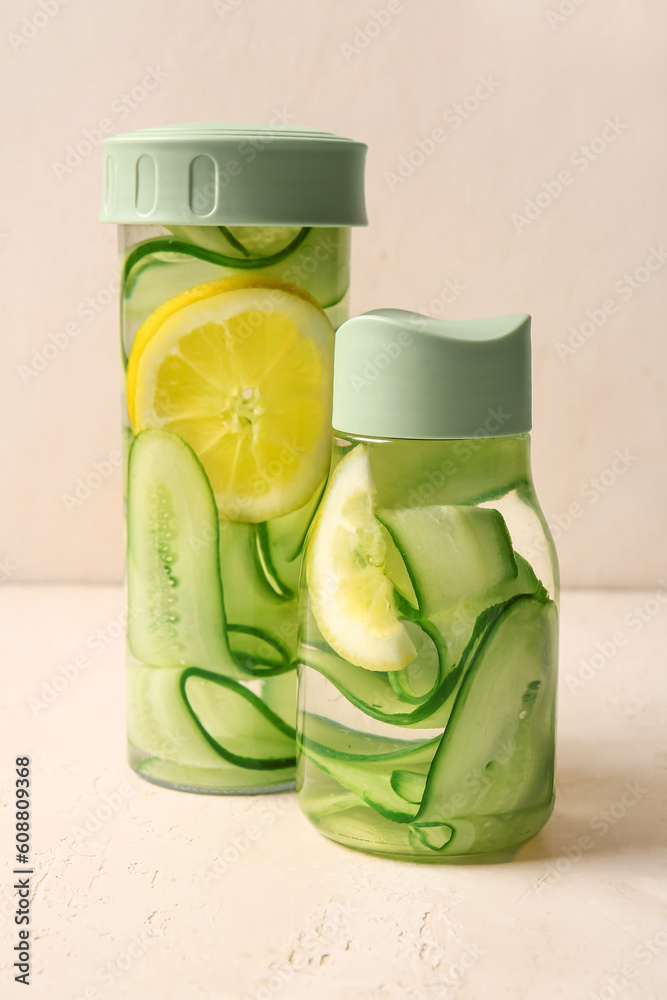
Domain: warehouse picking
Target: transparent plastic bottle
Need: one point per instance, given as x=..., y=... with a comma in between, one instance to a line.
x=428, y=644
x=235, y=249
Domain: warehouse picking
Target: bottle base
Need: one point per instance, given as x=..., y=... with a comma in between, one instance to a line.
x=497, y=857
x=209, y=781
x=483, y=840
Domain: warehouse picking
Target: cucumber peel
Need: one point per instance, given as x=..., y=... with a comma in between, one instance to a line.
x=175, y=602
x=254, y=721
x=496, y=754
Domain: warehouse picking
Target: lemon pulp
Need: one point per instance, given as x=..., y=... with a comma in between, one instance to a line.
x=240, y=368
x=351, y=596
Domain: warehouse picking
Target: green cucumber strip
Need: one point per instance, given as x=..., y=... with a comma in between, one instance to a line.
x=331, y=739
x=409, y=785
x=366, y=774
x=287, y=534
x=435, y=836
x=265, y=565
x=416, y=682
x=256, y=659
x=278, y=544
x=158, y=723
x=372, y=692
x=449, y=472
x=229, y=236
x=169, y=244
x=453, y=554
x=240, y=718
x=396, y=570
x=496, y=755
x=249, y=598
x=175, y=600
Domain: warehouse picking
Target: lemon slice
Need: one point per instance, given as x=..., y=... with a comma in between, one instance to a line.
x=351, y=596
x=240, y=368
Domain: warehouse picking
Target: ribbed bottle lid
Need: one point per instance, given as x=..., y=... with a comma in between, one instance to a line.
x=398, y=374
x=218, y=173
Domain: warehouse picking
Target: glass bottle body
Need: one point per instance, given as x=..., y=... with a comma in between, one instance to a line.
x=227, y=344
x=428, y=651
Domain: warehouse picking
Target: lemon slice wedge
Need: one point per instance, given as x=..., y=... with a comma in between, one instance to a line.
x=240, y=368
x=351, y=596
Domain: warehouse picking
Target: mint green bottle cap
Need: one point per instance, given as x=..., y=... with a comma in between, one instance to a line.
x=398, y=374
x=218, y=173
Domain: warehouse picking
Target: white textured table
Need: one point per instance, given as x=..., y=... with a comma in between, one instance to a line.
x=141, y=892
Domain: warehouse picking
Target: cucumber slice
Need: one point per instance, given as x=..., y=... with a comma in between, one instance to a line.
x=279, y=542
x=158, y=722
x=339, y=752
x=449, y=472
x=286, y=537
x=176, y=611
x=409, y=785
x=416, y=682
x=266, y=565
x=397, y=572
x=452, y=553
x=235, y=722
x=251, y=600
x=374, y=694
x=496, y=756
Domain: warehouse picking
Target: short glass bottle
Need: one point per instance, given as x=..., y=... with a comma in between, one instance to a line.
x=428, y=646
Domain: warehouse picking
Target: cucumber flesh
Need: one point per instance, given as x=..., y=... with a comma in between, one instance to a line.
x=409, y=785
x=158, y=722
x=251, y=599
x=175, y=600
x=367, y=775
x=374, y=694
x=235, y=722
x=449, y=472
x=496, y=755
x=286, y=536
x=452, y=554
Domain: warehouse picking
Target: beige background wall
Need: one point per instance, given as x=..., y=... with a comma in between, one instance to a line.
x=520, y=91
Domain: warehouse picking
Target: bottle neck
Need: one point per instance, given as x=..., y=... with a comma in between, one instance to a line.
x=459, y=471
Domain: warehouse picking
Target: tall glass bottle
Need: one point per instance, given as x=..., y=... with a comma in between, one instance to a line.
x=428, y=646
x=235, y=246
